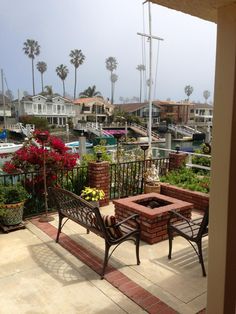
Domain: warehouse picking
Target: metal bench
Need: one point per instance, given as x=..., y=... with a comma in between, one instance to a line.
x=71, y=206
x=193, y=230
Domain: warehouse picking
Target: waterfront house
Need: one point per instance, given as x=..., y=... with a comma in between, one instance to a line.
x=170, y=111
x=92, y=109
x=200, y=114
x=8, y=112
x=55, y=108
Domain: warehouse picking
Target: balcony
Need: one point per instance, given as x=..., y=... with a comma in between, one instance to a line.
x=41, y=276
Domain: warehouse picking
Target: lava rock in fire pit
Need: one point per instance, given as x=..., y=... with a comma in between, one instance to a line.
x=153, y=204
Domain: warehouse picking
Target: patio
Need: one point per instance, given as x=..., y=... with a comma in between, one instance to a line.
x=39, y=276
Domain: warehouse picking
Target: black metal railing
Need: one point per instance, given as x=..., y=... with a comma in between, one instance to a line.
x=73, y=180
x=127, y=178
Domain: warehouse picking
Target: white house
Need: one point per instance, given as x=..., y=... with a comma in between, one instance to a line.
x=200, y=114
x=55, y=109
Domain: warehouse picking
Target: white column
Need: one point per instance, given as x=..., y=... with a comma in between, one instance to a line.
x=222, y=227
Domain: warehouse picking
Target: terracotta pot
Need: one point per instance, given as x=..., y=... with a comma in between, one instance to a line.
x=152, y=188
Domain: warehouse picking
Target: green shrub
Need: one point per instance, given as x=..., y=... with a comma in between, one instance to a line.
x=187, y=179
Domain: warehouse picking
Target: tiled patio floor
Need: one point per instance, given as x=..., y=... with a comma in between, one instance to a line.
x=39, y=276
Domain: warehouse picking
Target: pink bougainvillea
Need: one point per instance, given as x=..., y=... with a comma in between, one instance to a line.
x=30, y=159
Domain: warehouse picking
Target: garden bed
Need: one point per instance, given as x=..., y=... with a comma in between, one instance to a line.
x=198, y=199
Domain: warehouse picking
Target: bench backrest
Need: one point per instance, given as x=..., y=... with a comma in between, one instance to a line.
x=78, y=210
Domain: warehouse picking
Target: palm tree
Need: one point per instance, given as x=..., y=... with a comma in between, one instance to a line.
x=77, y=58
x=141, y=68
x=111, y=65
x=62, y=72
x=42, y=67
x=188, y=90
x=114, y=78
x=32, y=49
x=206, y=94
x=90, y=92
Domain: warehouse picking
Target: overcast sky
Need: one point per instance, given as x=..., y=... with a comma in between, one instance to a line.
x=103, y=28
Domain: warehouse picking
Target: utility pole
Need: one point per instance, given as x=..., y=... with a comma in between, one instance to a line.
x=3, y=100
x=150, y=38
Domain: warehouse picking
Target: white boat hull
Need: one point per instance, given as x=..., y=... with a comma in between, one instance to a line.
x=9, y=148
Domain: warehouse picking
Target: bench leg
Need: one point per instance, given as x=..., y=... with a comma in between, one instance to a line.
x=107, y=247
x=59, y=227
x=199, y=245
x=170, y=236
x=137, y=242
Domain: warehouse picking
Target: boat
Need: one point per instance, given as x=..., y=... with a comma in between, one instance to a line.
x=74, y=146
x=9, y=148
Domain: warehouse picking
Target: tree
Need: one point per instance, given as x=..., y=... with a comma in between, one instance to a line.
x=62, y=72
x=114, y=78
x=111, y=65
x=77, y=58
x=9, y=94
x=141, y=68
x=48, y=90
x=188, y=90
x=206, y=94
x=42, y=67
x=32, y=49
x=90, y=92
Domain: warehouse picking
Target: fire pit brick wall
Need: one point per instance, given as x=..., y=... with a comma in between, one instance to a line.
x=153, y=229
x=198, y=199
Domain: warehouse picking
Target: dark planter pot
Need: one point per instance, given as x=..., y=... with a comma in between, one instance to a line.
x=13, y=214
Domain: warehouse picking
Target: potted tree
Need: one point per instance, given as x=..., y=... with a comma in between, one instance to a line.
x=12, y=199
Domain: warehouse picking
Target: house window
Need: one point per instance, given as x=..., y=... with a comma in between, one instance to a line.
x=54, y=109
x=192, y=111
x=197, y=111
x=35, y=108
x=62, y=109
x=39, y=108
x=202, y=112
x=58, y=109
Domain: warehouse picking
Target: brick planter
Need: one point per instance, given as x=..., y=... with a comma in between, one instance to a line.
x=199, y=200
x=153, y=221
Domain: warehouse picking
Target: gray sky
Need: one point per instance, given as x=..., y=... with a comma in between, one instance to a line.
x=103, y=28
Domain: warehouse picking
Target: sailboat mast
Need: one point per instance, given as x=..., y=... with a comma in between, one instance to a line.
x=150, y=79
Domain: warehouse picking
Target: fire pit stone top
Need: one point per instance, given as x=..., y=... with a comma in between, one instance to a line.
x=152, y=205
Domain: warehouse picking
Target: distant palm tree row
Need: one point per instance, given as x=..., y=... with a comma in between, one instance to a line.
x=32, y=49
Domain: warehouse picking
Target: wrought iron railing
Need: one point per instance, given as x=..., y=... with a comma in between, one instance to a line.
x=127, y=178
x=72, y=180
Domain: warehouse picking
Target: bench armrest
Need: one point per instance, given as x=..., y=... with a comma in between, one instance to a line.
x=190, y=222
x=132, y=217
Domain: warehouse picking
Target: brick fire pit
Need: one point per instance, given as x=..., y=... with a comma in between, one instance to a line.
x=153, y=211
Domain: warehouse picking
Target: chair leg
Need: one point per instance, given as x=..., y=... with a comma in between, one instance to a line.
x=107, y=247
x=59, y=227
x=137, y=242
x=199, y=245
x=170, y=236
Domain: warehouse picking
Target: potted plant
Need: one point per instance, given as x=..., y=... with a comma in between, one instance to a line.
x=12, y=199
x=93, y=195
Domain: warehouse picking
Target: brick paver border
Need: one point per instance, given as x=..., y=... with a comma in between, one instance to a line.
x=128, y=287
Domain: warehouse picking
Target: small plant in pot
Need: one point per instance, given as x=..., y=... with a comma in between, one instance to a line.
x=92, y=195
x=12, y=199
